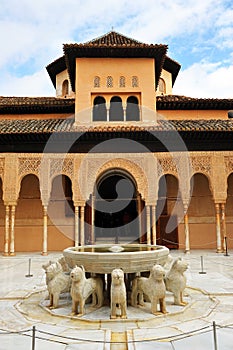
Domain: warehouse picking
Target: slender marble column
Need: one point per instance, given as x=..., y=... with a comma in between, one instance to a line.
x=223, y=219
x=148, y=224
x=76, y=226
x=108, y=110
x=82, y=233
x=12, y=233
x=186, y=230
x=124, y=111
x=154, y=224
x=218, y=228
x=93, y=219
x=45, y=230
x=139, y=205
x=7, y=230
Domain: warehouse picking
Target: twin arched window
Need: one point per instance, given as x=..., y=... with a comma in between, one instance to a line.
x=116, y=111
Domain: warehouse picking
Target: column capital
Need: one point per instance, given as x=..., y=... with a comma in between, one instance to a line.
x=12, y=204
x=220, y=201
x=79, y=203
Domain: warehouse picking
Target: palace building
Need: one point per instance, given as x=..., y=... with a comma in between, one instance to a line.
x=115, y=156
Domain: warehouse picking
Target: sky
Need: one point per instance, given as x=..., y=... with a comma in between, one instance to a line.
x=199, y=35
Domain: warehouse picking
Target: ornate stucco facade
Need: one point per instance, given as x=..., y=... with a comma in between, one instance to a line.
x=60, y=157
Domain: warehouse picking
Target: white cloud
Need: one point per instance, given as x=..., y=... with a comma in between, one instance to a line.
x=32, y=32
x=205, y=80
x=37, y=84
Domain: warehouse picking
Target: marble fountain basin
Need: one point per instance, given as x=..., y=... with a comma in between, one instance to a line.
x=103, y=258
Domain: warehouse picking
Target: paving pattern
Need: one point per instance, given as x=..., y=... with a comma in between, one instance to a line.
x=210, y=297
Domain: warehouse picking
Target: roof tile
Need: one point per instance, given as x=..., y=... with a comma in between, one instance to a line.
x=68, y=126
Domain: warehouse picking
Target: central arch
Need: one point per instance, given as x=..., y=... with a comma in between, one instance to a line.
x=116, y=208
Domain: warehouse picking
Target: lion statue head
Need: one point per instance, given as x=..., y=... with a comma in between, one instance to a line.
x=158, y=272
x=117, y=276
x=52, y=270
x=77, y=274
x=179, y=265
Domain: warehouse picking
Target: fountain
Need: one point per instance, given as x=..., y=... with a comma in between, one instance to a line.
x=103, y=258
x=117, y=275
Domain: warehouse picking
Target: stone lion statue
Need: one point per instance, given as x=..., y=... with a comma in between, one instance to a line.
x=62, y=261
x=82, y=288
x=118, y=294
x=175, y=280
x=57, y=282
x=152, y=287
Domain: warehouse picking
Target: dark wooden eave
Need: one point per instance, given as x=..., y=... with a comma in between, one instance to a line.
x=178, y=102
x=173, y=67
x=36, y=105
x=56, y=67
x=32, y=136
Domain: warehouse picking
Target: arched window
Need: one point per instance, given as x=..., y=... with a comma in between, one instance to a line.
x=109, y=81
x=134, y=81
x=116, y=112
x=99, y=109
x=65, y=87
x=132, y=109
x=162, y=86
x=97, y=82
x=122, y=81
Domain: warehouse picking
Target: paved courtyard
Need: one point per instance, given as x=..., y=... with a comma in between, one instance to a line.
x=209, y=294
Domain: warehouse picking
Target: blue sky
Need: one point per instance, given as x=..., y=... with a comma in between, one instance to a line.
x=199, y=35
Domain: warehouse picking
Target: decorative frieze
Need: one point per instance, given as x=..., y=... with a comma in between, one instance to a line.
x=228, y=164
x=201, y=164
x=29, y=165
x=2, y=165
x=61, y=166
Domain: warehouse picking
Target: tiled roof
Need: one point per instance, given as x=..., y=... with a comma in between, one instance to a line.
x=14, y=105
x=177, y=102
x=114, y=39
x=113, y=45
x=67, y=126
x=36, y=105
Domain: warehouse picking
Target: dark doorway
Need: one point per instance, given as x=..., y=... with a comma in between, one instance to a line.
x=116, y=214
x=168, y=212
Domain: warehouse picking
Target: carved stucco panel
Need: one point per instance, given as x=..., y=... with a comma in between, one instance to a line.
x=202, y=164
x=29, y=166
x=93, y=167
x=61, y=166
x=177, y=164
x=167, y=166
x=2, y=167
x=10, y=179
x=228, y=160
x=134, y=169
